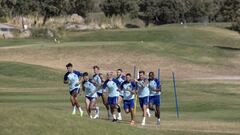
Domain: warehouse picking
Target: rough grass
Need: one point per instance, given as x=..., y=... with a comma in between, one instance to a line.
x=206, y=107
x=33, y=99
x=171, y=47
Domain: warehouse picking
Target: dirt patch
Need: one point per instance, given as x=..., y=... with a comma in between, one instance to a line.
x=193, y=126
x=84, y=58
x=14, y=47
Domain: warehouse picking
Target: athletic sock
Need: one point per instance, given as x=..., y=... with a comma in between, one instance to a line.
x=97, y=110
x=143, y=120
x=80, y=109
x=74, y=110
x=148, y=112
x=119, y=109
x=158, y=121
x=114, y=116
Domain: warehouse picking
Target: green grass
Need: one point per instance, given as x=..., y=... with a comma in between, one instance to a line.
x=192, y=44
x=33, y=99
x=192, y=35
x=14, y=74
x=20, y=42
x=44, y=110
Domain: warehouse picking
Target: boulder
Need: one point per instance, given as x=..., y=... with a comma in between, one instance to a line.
x=77, y=19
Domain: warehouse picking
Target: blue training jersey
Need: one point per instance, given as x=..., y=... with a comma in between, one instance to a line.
x=98, y=81
x=121, y=79
x=90, y=89
x=153, y=85
x=73, y=79
x=143, y=91
x=113, y=86
x=125, y=87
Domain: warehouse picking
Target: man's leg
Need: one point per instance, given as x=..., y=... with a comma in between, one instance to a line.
x=112, y=107
x=132, y=116
x=126, y=107
x=145, y=103
x=73, y=105
x=119, y=108
x=77, y=103
x=105, y=102
x=113, y=104
x=94, y=107
x=157, y=112
x=144, y=109
x=87, y=102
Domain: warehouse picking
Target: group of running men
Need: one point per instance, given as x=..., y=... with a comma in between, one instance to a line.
x=113, y=91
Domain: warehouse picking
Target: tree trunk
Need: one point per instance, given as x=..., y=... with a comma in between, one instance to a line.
x=45, y=20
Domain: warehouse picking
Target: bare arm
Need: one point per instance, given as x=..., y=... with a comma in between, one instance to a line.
x=66, y=81
x=132, y=91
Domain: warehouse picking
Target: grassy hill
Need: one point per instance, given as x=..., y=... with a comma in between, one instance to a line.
x=33, y=99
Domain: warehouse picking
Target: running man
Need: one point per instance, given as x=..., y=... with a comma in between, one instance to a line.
x=155, y=95
x=105, y=97
x=90, y=95
x=121, y=78
x=73, y=78
x=112, y=85
x=143, y=94
x=98, y=81
x=128, y=87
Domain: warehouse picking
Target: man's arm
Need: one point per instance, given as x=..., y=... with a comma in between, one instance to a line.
x=66, y=81
x=158, y=89
x=159, y=86
x=132, y=91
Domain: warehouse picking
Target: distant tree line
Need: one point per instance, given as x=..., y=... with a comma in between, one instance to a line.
x=45, y=8
x=176, y=11
x=151, y=11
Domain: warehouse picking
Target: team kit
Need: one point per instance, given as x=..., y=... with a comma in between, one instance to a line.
x=115, y=93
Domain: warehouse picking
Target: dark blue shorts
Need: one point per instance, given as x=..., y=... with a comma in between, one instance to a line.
x=90, y=98
x=112, y=100
x=77, y=90
x=155, y=100
x=99, y=94
x=144, y=101
x=128, y=104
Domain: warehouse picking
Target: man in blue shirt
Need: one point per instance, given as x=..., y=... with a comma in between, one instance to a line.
x=73, y=79
x=112, y=85
x=155, y=95
x=128, y=87
x=121, y=78
x=98, y=81
x=143, y=94
x=90, y=94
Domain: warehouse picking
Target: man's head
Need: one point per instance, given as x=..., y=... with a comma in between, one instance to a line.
x=110, y=75
x=141, y=74
x=128, y=77
x=151, y=75
x=119, y=72
x=96, y=69
x=85, y=76
x=69, y=67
